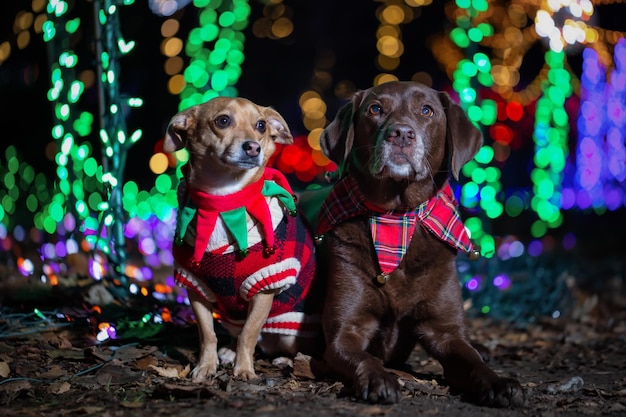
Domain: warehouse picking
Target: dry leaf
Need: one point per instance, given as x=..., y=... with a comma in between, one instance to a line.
x=132, y=404
x=302, y=366
x=617, y=407
x=54, y=372
x=125, y=354
x=146, y=363
x=72, y=353
x=4, y=370
x=185, y=372
x=374, y=410
x=114, y=373
x=165, y=372
x=59, y=387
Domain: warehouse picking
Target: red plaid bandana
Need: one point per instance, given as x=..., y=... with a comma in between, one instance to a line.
x=392, y=230
x=391, y=235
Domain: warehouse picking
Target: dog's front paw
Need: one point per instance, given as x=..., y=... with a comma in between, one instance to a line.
x=203, y=371
x=503, y=393
x=375, y=385
x=206, y=366
x=245, y=373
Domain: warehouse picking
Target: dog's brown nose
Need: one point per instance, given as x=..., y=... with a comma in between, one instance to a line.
x=401, y=135
x=251, y=147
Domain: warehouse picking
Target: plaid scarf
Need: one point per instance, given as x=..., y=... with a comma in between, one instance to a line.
x=392, y=230
x=233, y=209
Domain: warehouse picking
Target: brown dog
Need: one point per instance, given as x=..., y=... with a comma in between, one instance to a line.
x=241, y=250
x=397, y=144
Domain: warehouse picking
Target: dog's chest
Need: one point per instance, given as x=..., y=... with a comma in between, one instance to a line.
x=222, y=241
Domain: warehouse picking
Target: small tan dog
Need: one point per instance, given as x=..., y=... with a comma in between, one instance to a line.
x=241, y=250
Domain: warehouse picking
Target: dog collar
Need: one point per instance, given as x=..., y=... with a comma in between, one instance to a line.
x=392, y=230
x=233, y=209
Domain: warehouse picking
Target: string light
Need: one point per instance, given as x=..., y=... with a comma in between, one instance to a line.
x=215, y=51
x=483, y=187
x=564, y=23
x=81, y=203
x=600, y=151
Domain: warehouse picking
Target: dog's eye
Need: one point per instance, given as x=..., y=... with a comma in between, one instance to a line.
x=222, y=121
x=261, y=126
x=427, y=111
x=375, y=109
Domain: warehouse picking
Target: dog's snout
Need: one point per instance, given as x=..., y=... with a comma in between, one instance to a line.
x=251, y=148
x=401, y=135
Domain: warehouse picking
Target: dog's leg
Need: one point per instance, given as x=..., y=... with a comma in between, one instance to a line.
x=346, y=355
x=371, y=382
x=259, y=309
x=444, y=337
x=465, y=370
x=207, y=363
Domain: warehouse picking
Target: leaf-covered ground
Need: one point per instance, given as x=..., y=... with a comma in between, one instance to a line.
x=52, y=365
x=568, y=368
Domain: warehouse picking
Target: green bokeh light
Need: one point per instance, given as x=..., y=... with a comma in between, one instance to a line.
x=485, y=155
x=480, y=5
x=538, y=229
x=475, y=34
x=514, y=206
x=226, y=19
x=459, y=37
x=163, y=183
x=478, y=175
x=487, y=246
x=475, y=113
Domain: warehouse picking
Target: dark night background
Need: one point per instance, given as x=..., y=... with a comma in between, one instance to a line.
x=275, y=72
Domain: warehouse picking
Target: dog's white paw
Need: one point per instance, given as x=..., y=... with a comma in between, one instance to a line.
x=226, y=356
x=282, y=362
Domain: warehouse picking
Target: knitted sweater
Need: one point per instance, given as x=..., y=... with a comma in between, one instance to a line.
x=229, y=278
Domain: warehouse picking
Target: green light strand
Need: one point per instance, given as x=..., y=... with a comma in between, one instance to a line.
x=111, y=47
x=550, y=135
x=22, y=192
x=215, y=51
x=483, y=189
x=68, y=124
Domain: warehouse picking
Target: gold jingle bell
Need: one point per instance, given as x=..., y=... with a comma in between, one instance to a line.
x=382, y=278
x=473, y=254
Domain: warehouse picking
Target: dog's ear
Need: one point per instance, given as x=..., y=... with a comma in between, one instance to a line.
x=336, y=140
x=462, y=137
x=176, y=135
x=277, y=126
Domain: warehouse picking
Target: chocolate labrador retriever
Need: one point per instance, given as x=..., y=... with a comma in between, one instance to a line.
x=391, y=230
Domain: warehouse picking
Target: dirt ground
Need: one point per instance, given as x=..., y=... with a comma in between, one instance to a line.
x=567, y=369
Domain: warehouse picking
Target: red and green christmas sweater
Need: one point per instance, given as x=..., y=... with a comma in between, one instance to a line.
x=229, y=248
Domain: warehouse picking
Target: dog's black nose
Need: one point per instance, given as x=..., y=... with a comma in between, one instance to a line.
x=401, y=135
x=251, y=147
